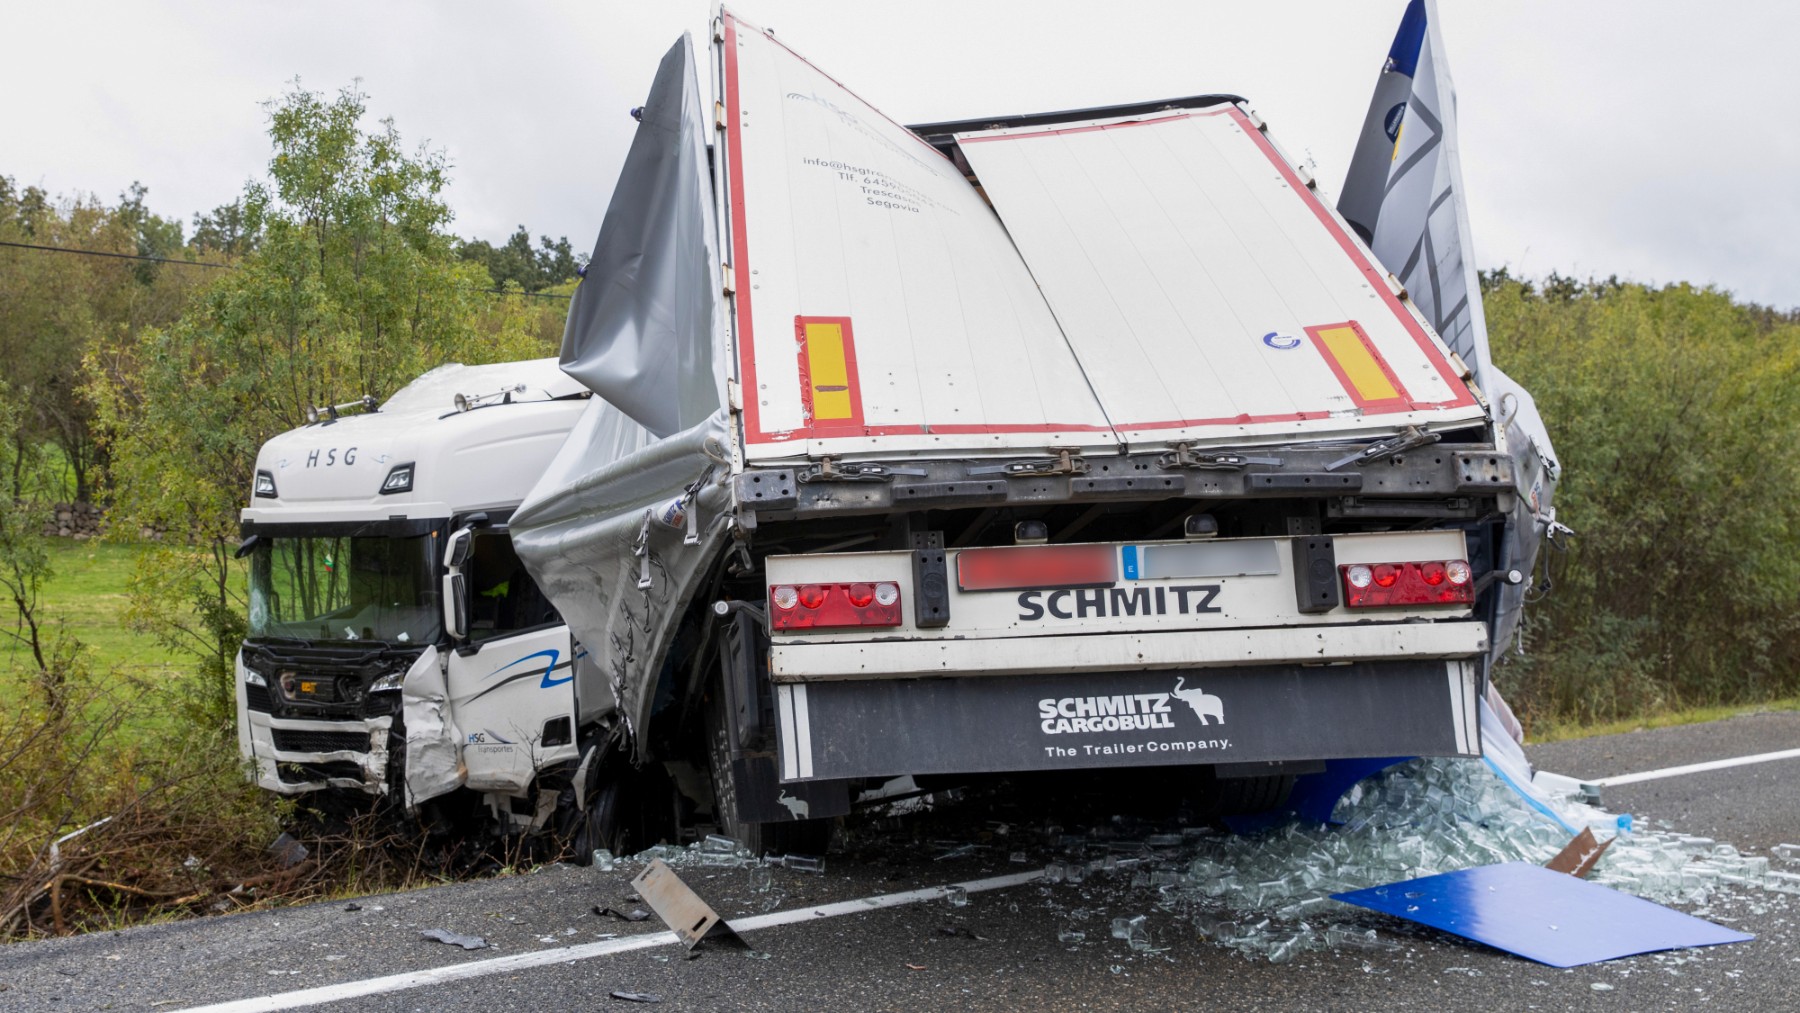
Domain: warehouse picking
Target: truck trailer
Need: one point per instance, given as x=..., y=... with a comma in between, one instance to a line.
x=1017, y=447
x=1013, y=446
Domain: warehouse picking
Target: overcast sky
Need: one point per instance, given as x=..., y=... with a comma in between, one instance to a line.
x=1655, y=141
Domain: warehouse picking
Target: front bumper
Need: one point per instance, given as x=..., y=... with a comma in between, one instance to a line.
x=294, y=756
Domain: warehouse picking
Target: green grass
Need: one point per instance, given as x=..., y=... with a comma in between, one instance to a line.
x=85, y=597
x=1666, y=719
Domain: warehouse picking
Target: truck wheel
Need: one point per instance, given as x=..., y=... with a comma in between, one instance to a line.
x=1242, y=796
x=599, y=827
x=806, y=837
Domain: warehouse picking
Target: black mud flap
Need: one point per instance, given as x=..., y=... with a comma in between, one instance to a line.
x=762, y=798
x=976, y=724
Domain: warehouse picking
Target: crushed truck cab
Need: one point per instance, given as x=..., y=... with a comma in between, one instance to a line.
x=398, y=653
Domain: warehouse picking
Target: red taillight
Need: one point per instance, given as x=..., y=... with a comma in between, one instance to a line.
x=1023, y=567
x=818, y=606
x=1432, y=582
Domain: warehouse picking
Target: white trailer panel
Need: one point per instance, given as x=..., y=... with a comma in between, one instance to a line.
x=879, y=304
x=1210, y=296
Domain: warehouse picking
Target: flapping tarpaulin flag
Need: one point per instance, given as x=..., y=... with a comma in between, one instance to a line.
x=1404, y=196
x=1404, y=193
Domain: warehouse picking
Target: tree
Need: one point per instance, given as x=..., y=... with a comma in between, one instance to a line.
x=352, y=286
x=25, y=564
x=62, y=304
x=1676, y=415
x=515, y=264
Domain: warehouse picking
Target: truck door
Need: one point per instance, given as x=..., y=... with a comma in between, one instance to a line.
x=511, y=682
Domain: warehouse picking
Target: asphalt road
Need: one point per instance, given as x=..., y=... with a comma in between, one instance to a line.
x=1000, y=951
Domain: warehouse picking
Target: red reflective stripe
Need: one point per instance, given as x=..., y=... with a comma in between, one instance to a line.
x=1016, y=569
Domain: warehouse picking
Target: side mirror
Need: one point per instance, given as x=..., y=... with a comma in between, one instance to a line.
x=456, y=550
x=456, y=607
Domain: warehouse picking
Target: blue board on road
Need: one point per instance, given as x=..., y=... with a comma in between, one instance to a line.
x=1550, y=917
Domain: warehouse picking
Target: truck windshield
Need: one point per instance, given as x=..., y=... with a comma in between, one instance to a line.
x=345, y=588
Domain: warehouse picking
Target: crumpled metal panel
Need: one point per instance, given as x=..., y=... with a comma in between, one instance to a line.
x=619, y=532
x=433, y=742
x=643, y=325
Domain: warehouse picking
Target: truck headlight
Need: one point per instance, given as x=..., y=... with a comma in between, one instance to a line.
x=265, y=485
x=388, y=682
x=399, y=479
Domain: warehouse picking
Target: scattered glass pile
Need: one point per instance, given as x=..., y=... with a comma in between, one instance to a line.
x=1268, y=895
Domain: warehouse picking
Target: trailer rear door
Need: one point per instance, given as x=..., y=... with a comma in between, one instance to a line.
x=878, y=303
x=1209, y=294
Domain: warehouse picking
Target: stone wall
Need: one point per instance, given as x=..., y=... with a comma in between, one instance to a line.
x=76, y=520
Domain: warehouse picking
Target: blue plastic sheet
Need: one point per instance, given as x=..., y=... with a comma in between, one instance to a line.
x=1545, y=916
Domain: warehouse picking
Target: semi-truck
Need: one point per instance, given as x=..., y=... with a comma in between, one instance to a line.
x=398, y=654
x=1011, y=447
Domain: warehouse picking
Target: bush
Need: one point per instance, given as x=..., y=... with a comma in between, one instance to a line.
x=1676, y=417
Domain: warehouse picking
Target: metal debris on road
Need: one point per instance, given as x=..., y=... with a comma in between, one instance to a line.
x=1541, y=914
x=634, y=915
x=635, y=996
x=676, y=903
x=454, y=939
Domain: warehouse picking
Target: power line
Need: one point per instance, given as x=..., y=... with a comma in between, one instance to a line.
x=224, y=267
x=120, y=256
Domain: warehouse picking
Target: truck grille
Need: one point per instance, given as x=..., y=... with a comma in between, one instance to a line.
x=300, y=773
x=291, y=740
x=257, y=698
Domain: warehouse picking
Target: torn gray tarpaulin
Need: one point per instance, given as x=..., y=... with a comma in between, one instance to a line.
x=455, y=939
x=635, y=996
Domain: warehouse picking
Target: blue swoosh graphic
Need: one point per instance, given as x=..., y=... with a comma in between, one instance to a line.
x=549, y=669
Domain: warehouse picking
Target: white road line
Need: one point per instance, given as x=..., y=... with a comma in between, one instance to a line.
x=1695, y=768
x=587, y=951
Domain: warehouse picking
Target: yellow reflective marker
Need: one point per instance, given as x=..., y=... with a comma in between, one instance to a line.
x=828, y=358
x=1358, y=366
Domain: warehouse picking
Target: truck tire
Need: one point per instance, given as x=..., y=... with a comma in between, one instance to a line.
x=805, y=837
x=599, y=827
x=1243, y=796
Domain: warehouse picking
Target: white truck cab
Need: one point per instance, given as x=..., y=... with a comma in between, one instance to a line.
x=397, y=649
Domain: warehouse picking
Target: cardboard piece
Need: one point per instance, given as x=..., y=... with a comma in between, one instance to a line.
x=1577, y=858
x=681, y=908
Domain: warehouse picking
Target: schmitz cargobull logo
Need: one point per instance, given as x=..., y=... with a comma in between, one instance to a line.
x=1127, y=711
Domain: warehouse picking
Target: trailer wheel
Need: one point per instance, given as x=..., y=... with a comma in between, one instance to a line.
x=806, y=837
x=1242, y=796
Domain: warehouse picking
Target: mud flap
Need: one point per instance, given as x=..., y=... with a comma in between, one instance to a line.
x=883, y=728
x=762, y=798
x=749, y=709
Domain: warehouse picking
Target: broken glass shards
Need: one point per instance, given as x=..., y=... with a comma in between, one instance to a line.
x=1252, y=893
